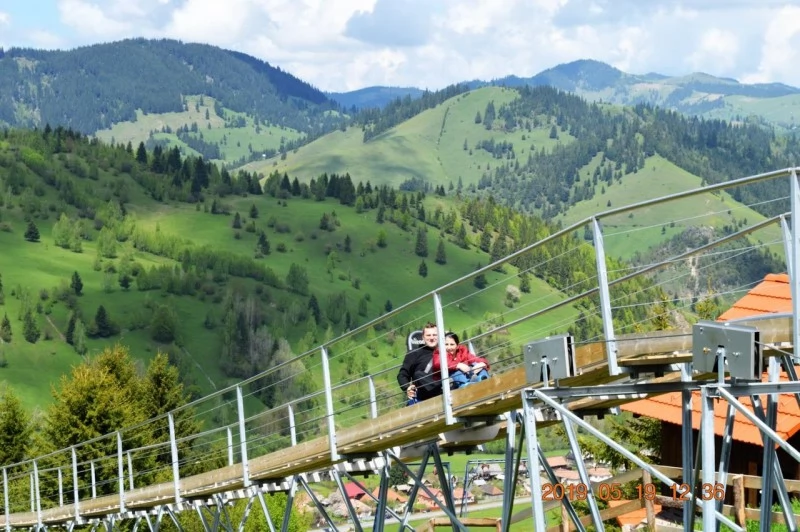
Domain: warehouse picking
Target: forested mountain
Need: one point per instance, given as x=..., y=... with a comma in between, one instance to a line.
x=229, y=275
x=531, y=147
x=373, y=97
x=93, y=87
x=693, y=94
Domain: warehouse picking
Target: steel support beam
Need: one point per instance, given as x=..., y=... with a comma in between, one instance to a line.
x=447, y=400
x=605, y=299
x=532, y=441
x=687, y=441
x=792, y=250
x=447, y=509
x=326, y=375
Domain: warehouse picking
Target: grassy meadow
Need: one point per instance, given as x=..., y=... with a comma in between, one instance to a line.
x=429, y=146
x=365, y=272
x=234, y=142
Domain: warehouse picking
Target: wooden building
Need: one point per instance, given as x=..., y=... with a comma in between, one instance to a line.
x=772, y=295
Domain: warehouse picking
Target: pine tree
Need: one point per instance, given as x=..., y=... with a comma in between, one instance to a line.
x=76, y=284
x=125, y=281
x=348, y=244
x=237, y=221
x=388, y=305
x=5, y=329
x=525, y=283
x=313, y=307
x=32, y=232
x=2, y=295
x=263, y=244
x=253, y=211
x=421, y=246
x=30, y=329
x=69, y=336
x=441, y=256
x=423, y=269
x=103, y=326
x=15, y=428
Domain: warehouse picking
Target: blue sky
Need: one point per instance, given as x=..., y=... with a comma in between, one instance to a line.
x=349, y=44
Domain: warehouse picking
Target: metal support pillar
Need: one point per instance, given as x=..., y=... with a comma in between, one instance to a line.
x=445, y=483
x=551, y=475
x=412, y=495
x=709, y=477
x=541, y=395
x=347, y=503
x=793, y=259
x=292, y=426
x=383, y=495
x=242, y=437
x=445, y=374
x=605, y=298
x=287, y=512
x=373, y=398
x=38, y=495
x=449, y=512
x=231, y=460
x=326, y=373
x=778, y=483
x=574, y=446
x=5, y=500
x=725, y=453
x=512, y=468
x=265, y=509
x=687, y=441
x=121, y=472
x=94, y=483
x=60, y=488
x=130, y=471
x=173, y=448
x=537, y=504
x=75, y=486
x=316, y=501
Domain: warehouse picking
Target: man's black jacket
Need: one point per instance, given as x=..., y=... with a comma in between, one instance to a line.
x=416, y=369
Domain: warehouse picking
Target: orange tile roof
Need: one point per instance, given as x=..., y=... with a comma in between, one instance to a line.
x=668, y=408
x=772, y=295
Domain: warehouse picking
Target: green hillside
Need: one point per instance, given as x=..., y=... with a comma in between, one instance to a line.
x=177, y=262
x=428, y=147
x=229, y=138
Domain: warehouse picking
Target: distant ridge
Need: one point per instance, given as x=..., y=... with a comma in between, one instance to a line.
x=696, y=93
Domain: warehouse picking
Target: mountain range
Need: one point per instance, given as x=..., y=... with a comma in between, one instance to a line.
x=696, y=94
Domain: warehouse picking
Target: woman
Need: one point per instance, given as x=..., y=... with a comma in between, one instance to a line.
x=463, y=366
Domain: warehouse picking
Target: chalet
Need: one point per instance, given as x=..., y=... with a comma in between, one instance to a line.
x=490, y=490
x=353, y=491
x=557, y=461
x=772, y=295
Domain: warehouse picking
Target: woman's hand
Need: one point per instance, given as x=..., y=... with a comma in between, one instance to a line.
x=478, y=366
x=463, y=367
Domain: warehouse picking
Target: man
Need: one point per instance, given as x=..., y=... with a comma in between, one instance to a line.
x=416, y=377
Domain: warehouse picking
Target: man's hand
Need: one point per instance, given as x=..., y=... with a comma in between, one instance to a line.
x=411, y=391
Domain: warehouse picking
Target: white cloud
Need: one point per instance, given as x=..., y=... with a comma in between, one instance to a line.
x=716, y=47
x=348, y=44
x=780, y=48
x=91, y=19
x=5, y=18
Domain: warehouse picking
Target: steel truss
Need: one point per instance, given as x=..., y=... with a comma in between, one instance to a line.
x=734, y=354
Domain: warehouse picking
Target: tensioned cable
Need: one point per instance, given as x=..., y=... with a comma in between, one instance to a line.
x=699, y=216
